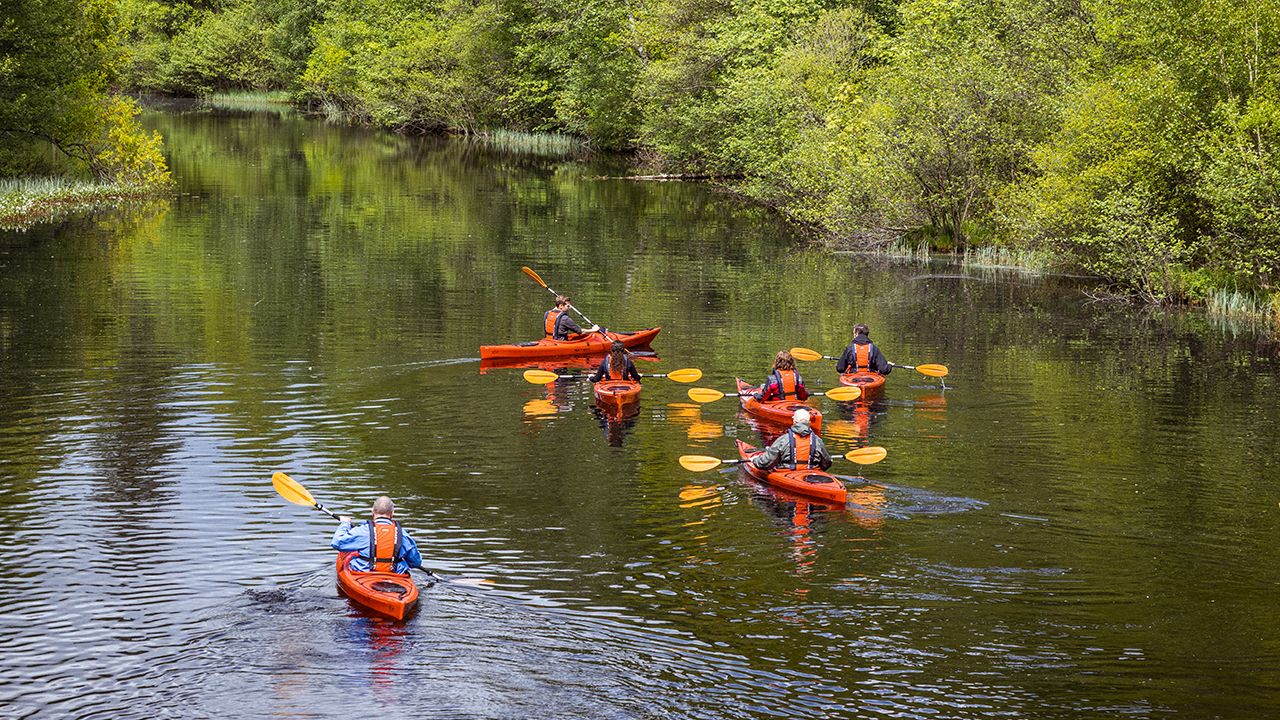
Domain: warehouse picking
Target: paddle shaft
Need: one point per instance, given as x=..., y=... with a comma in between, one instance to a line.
x=571, y=305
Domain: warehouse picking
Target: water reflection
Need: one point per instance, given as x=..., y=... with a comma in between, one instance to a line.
x=1041, y=542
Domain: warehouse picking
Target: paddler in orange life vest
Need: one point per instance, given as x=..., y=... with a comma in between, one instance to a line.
x=395, y=551
x=862, y=354
x=617, y=366
x=559, y=325
x=796, y=449
x=784, y=383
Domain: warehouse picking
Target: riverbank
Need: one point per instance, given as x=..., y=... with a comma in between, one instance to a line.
x=27, y=201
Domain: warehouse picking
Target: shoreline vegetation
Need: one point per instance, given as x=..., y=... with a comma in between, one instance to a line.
x=1134, y=142
x=27, y=201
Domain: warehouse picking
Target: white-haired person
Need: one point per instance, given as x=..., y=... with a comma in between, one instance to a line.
x=381, y=545
x=797, y=448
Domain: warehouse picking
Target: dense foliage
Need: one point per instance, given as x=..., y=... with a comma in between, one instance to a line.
x=1135, y=139
x=57, y=111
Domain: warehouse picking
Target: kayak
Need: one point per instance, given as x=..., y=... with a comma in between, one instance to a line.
x=390, y=594
x=615, y=394
x=777, y=411
x=812, y=483
x=872, y=384
x=593, y=344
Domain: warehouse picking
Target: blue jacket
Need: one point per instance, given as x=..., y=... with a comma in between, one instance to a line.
x=355, y=538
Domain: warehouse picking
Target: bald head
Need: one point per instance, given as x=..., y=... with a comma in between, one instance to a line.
x=384, y=507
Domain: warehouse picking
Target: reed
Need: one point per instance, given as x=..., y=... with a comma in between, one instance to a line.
x=995, y=256
x=525, y=143
x=1229, y=304
x=249, y=101
x=26, y=201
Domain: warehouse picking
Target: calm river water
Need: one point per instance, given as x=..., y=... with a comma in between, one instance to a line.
x=1084, y=524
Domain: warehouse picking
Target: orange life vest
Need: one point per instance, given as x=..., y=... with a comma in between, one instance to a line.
x=386, y=541
x=862, y=357
x=613, y=373
x=799, y=450
x=787, y=381
x=549, y=321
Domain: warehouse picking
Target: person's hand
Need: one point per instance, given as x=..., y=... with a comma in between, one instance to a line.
x=594, y=328
x=344, y=518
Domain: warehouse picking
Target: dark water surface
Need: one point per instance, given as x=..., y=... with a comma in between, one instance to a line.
x=1084, y=525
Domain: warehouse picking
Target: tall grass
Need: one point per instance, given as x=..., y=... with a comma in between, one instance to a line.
x=996, y=256
x=524, y=143
x=277, y=101
x=1233, y=306
x=26, y=201
x=911, y=251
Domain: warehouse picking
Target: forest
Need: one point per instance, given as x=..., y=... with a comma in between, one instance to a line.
x=1135, y=140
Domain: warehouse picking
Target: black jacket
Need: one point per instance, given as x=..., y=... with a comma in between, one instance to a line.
x=848, y=362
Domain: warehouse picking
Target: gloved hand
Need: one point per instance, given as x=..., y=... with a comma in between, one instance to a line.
x=593, y=328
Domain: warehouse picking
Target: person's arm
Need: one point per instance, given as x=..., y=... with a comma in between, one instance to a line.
x=802, y=393
x=347, y=538
x=845, y=361
x=823, y=455
x=766, y=390
x=632, y=372
x=598, y=375
x=879, y=361
x=567, y=326
x=769, y=457
x=411, y=555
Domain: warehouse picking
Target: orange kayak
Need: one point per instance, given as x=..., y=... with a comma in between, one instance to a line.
x=614, y=394
x=390, y=594
x=813, y=483
x=872, y=384
x=593, y=344
x=776, y=411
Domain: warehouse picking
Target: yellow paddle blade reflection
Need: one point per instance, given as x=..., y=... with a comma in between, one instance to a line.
x=704, y=395
x=699, y=463
x=932, y=370
x=705, y=430
x=685, y=375
x=844, y=394
x=804, y=353
x=290, y=490
x=698, y=492
x=867, y=455
x=540, y=377
x=540, y=408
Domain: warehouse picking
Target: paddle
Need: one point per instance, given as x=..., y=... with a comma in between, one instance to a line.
x=542, y=377
x=930, y=369
x=702, y=463
x=706, y=395
x=294, y=492
x=538, y=279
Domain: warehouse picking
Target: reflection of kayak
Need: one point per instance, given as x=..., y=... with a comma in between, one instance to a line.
x=872, y=384
x=390, y=594
x=614, y=394
x=778, y=411
x=814, y=482
x=594, y=344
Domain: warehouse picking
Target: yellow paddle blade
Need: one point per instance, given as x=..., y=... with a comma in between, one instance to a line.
x=803, y=353
x=685, y=375
x=698, y=463
x=844, y=394
x=540, y=377
x=290, y=490
x=932, y=370
x=536, y=277
x=867, y=455
x=704, y=395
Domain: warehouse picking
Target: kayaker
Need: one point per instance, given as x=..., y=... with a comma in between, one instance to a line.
x=784, y=383
x=862, y=354
x=798, y=447
x=626, y=368
x=559, y=325
x=396, y=551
